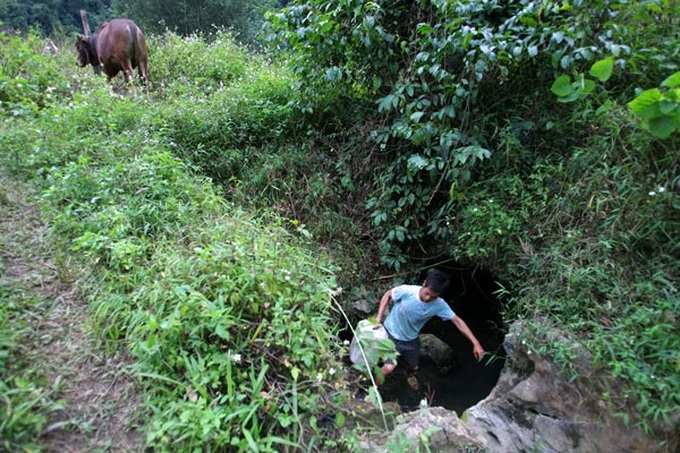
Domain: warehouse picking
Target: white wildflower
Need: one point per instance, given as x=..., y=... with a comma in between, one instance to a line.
x=652, y=193
x=236, y=358
x=319, y=377
x=331, y=372
x=346, y=342
x=423, y=403
x=661, y=189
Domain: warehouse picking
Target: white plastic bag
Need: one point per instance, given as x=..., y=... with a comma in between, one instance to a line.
x=368, y=333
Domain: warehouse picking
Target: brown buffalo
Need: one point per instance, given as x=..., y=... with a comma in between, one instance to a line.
x=118, y=46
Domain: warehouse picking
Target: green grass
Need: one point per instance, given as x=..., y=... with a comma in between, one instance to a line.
x=226, y=312
x=26, y=398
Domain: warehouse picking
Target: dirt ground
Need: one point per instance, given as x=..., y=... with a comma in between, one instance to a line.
x=93, y=389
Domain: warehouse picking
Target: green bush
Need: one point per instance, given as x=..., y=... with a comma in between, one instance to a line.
x=193, y=62
x=30, y=79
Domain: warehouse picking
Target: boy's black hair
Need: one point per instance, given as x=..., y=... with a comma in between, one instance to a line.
x=437, y=281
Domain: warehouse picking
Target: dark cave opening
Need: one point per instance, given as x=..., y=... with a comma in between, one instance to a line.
x=472, y=296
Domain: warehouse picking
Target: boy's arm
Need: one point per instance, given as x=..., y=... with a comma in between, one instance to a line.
x=477, y=349
x=384, y=301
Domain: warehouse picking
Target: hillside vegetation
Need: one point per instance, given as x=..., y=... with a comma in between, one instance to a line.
x=216, y=215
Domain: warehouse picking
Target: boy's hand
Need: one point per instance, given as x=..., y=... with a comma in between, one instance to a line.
x=478, y=351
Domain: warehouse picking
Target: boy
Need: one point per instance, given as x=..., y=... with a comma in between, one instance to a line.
x=413, y=307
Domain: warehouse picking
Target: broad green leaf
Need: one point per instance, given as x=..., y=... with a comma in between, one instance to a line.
x=644, y=100
x=386, y=103
x=569, y=98
x=416, y=163
x=667, y=107
x=562, y=86
x=672, y=81
x=424, y=29
x=462, y=154
x=339, y=420
x=602, y=70
x=662, y=127
x=588, y=87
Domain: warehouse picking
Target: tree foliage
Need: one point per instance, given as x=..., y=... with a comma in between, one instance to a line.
x=438, y=74
x=244, y=18
x=51, y=17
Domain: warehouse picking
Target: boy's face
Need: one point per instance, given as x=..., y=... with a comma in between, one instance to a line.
x=426, y=294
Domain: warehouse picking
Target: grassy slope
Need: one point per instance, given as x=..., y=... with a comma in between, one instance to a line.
x=225, y=313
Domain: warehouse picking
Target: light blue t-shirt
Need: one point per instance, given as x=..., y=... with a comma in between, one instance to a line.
x=409, y=314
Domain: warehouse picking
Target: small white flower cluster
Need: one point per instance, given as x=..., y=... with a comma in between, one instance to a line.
x=236, y=358
x=286, y=274
x=331, y=372
x=660, y=189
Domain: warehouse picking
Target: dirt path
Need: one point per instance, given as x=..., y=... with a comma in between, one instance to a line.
x=97, y=396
